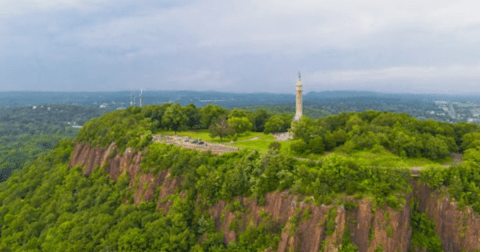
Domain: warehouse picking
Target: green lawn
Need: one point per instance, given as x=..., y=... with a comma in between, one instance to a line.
x=388, y=159
x=261, y=144
x=385, y=158
x=205, y=136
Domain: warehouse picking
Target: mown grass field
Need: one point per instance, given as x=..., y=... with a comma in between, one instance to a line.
x=387, y=159
x=384, y=158
x=262, y=143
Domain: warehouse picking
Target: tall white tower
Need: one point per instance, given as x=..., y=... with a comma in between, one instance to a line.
x=141, y=98
x=299, y=104
x=132, y=99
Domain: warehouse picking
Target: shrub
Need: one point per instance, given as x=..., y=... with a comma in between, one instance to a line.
x=275, y=145
x=298, y=146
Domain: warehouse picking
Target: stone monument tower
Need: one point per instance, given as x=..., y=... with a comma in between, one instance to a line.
x=299, y=111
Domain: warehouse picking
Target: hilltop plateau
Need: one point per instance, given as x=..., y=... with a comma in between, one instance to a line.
x=342, y=183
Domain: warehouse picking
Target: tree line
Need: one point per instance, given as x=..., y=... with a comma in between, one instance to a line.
x=401, y=134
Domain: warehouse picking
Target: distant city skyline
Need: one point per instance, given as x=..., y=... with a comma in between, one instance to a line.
x=424, y=47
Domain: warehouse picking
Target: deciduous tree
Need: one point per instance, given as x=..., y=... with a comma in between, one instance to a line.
x=211, y=114
x=175, y=117
x=221, y=129
x=239, y=124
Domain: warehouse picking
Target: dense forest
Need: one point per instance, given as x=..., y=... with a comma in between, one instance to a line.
x=48, y=206
x=399, y=133
x=25, y=132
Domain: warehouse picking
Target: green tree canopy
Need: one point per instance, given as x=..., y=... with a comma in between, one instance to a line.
x=211, y=114
x=221, y=129
x=193, y=115
x=175, y=118
x=236, y=112
x=259, y=119
x=278, y=123
x=239, y=124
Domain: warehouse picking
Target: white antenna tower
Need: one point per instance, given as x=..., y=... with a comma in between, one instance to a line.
x=141, y=97
x=132, y=99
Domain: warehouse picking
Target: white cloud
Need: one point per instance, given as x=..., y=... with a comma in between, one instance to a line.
x=16, y=8
x=431, y=73
x=281, y=26
x=183, y=76
x=432, y=79
x=186, y=78
x=196, y=33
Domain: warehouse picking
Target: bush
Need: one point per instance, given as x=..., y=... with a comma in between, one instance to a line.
x=316, y=145
x=434, y=148
x=277, y=123
x=275, y=145
x=239, y=124
x=298, y=146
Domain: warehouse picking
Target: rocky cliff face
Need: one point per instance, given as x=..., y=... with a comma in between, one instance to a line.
x=369, y=229
x=116, y=164
x=459, y=229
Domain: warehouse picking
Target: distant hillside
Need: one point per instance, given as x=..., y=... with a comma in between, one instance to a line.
x=421, y=106
x=342, y=94
x=229, y=100
x=398, y=96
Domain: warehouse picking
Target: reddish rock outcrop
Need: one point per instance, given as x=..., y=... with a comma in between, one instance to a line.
x=310, y=233
x=169, y=186
x=129, y=162
x=109, y=159
x=459, y=230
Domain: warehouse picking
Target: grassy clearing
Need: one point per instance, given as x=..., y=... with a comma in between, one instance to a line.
x=261, y=144
x=387, y=159
x=384, y=158
x=205, y=136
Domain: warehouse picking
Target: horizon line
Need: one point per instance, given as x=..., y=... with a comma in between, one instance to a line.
x=227, y=92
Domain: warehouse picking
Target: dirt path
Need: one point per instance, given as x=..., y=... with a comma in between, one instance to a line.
x=251, y=139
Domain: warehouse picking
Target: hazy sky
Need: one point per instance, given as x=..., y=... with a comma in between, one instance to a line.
x=413, y=46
